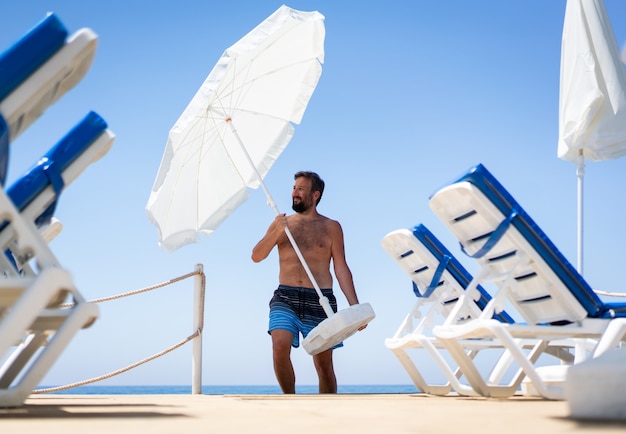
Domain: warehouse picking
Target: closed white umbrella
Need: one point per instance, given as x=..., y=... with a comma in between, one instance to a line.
x=592, y=106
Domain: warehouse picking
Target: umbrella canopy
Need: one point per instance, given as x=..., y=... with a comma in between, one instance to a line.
x=592, y=115
x=236, y=126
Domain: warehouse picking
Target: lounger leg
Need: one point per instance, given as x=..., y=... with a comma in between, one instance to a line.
x=416, y=376
x=453, y=377
x=611, y=338
x=20, y=357
x=526, y=363
x=78, y=318
x=467, y=366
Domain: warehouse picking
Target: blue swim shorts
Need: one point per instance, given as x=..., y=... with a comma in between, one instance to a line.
x=298, y=310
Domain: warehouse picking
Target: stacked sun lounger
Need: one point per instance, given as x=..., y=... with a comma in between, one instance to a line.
x=40, y=308
x=560, y=314
x=439, y=281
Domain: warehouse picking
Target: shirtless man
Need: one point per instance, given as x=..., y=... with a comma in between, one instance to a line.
x=295, y=306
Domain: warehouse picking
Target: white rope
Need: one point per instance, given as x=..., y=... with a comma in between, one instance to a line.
x=119, y=371
x=139, y=291
x=189, y=338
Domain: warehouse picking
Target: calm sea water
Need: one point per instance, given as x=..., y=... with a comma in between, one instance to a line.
x=229, y=390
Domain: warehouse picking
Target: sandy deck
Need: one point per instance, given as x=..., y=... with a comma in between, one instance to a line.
x=402, y=413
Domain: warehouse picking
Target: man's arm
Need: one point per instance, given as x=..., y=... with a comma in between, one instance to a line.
x=269, y=240
x=342, y=271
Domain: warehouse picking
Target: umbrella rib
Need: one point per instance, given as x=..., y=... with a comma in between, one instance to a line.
x=218, y=127
x=239, y=88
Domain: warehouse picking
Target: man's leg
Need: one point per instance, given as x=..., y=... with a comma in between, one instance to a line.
x=325, y=371
x=281, y=348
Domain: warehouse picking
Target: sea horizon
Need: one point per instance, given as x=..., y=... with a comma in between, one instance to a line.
x=231, y=389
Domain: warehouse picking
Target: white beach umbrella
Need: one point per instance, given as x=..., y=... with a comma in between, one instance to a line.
x=235, y=127
x=592, y=107
x=259, y=87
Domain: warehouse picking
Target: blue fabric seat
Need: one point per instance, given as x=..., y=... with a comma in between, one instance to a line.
x=29, y=52
x=450, y=263
x=49, y=169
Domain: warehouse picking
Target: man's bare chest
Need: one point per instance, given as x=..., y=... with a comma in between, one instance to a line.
x=310, y=235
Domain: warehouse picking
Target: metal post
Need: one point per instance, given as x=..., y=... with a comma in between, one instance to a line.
x=198, y=320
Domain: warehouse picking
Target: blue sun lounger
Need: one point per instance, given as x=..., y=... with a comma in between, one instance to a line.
x=438, y=280
x=40, y=308
x=35, y=72
x=530, y=273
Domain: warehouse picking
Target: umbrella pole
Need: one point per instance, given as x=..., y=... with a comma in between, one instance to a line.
x=580, y=173
x=323, y=299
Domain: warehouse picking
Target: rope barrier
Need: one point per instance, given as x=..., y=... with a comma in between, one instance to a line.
x=189, y=338
x=122, y=370
x=141, y=290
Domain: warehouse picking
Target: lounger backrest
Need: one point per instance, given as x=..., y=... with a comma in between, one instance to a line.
x=35, y=72
x=18, y=62
x=431, y=268
x=490, y=224
x=49, y=169
x=43, y=86
x=456, y=269
x=36, y=193
x=29, y=52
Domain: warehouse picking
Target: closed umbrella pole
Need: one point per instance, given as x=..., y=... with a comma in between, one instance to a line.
x=580, y=174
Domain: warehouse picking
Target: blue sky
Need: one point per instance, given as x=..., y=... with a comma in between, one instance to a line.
x=412, y=94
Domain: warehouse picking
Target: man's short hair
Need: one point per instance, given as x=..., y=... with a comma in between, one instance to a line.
x=317, y=183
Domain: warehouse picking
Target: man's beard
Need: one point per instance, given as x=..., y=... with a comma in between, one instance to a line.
x=299, y=207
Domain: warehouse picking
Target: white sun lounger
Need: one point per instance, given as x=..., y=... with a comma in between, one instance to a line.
x=438, y=281
x=531, y=274
x=38, y=69
x=35, y=324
